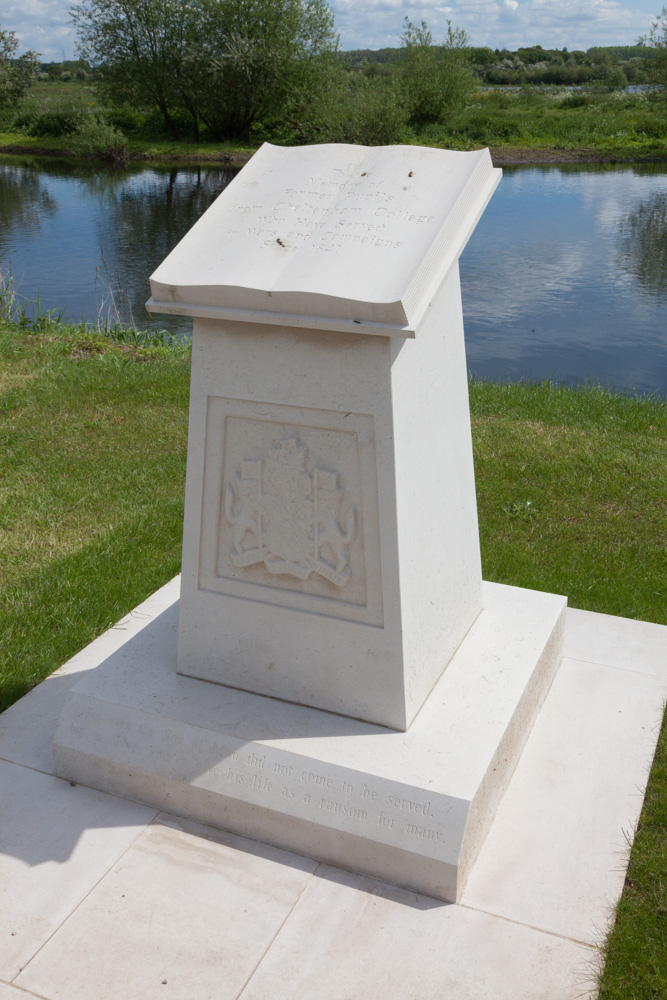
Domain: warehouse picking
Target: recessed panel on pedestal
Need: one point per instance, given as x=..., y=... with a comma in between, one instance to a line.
x=289, y=514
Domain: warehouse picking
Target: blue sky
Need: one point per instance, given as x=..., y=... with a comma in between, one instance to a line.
x=43, y=25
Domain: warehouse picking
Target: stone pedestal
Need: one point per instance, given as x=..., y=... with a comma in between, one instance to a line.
x=357, y=451
x=331, y=554
x=369, y=697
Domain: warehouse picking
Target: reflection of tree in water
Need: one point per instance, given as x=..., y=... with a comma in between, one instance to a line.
x=24, y=203
x=643, y=244
x=145, y=219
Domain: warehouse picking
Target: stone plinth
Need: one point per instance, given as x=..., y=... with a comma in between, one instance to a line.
x=413, y=808
x=332, y=424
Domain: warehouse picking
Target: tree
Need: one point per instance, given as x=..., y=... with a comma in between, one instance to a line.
x=436, y=77
x=657, y=40
x=257, y=55
x=16, y=75
x=225, y=63
x=138, y=47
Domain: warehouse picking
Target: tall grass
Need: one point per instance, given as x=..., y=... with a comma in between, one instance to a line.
x=115, y=320
x=618, y=123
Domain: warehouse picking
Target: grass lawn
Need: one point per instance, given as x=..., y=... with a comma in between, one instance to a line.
x=571, y=492
x=91, y=492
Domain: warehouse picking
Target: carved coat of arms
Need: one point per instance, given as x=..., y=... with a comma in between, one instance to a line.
x=286, y=517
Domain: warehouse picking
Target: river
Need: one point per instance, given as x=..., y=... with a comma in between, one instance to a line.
x=565, y=276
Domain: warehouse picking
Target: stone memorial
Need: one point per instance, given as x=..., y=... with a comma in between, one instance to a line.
x=344, y=685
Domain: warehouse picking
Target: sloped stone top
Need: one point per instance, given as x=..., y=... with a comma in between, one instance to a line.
x=333, y=236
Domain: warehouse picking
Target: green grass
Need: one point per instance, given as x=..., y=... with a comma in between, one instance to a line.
x=636, y=966
x=571, y=493
x=53, y=96
x=572, y=489
x=620, y=124
x=91, y=482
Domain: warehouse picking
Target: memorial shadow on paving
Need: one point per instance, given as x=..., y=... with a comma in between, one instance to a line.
x=45, y=816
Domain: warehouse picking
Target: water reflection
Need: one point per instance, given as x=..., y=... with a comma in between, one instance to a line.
x=145, y=219
x=546, y=293
x=110, y=229
x=643, y=251
x=565, y=276
x=25, y=202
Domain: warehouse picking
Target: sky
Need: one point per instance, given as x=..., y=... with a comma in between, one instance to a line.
x=43, y=25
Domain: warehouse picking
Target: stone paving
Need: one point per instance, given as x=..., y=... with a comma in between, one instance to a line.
x=106, y=899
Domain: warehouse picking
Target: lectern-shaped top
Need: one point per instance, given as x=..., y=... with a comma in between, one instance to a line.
x=333, y=236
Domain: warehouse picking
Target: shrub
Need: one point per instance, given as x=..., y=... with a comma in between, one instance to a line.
x=94, y=136
x=344, y=107
x=53, y=123
x=436, y=78
x=127, y=120
x=575, y=101
x=652, y=126
x=372, y=115
x=489, y=129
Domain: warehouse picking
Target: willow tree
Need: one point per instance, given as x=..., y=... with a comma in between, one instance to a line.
x=138, y=48
x=436, y=76
x=223, y=62
x=255, y=55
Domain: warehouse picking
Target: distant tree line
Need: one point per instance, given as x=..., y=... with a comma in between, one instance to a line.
x=612, y=65
x=65, y=71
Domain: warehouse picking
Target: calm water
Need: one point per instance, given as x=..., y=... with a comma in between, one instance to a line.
x=565, y=276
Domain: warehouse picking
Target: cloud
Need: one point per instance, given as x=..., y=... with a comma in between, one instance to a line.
x=577, y=24
x=44, y=24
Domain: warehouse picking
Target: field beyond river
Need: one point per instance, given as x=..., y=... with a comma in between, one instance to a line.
x=529, y=124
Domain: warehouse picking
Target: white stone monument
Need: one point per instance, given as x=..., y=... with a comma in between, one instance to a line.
x=331, y=555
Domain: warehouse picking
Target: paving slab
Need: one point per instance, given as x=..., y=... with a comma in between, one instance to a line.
x=56, y=842
x=187, y=912
x=9, y=993
x=369, y=939
x=616, y=642
x=556, y=854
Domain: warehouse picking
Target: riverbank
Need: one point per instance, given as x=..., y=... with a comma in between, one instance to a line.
x=527, y=124
x=236, y=155
x=571, y=487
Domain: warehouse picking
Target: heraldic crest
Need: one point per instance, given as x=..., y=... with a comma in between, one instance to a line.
x=288, y=518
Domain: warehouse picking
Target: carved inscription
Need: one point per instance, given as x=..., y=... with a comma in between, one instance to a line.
x=366, y=212
x=284, y=782
x=311, y=793
x=289, y=518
